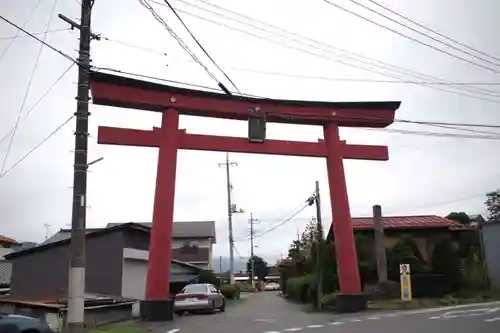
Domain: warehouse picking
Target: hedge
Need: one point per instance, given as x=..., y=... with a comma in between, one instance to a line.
x=431, y=285
x=230, y=291
x=298, y=288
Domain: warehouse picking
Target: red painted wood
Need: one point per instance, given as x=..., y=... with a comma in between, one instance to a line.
x=112, y=91
x=131, y=97
x=145, y=138
x=345, y=249
x=160, y=245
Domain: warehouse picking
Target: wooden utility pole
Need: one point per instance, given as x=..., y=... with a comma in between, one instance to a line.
x=379, y=244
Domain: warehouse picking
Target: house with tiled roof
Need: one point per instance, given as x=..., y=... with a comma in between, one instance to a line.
x=192, y=242
x=116, y=266
x=423, y=229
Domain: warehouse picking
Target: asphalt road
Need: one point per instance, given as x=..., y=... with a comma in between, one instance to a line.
x=268, y=313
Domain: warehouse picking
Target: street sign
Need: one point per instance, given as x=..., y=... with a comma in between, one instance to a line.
x=405, y=280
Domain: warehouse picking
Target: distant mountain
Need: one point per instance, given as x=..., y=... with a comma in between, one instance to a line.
x=221, y=264
x=240, y=264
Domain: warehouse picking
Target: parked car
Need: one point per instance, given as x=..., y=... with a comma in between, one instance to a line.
x=11, y=323
x=272, y=286
x=199, y=297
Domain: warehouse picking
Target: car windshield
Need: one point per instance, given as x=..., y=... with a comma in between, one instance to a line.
x=195, y=288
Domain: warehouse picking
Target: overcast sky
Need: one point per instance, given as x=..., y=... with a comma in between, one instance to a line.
x=423, y=172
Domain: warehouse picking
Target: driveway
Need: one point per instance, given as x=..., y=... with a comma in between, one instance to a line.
x=267, y=312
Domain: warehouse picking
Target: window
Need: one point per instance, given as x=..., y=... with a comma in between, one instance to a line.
x=194, y=288
x=191, y=243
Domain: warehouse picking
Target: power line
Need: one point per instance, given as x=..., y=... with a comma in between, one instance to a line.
x=316, y=77
x=39, y=100
x=13, y=39
x=182, y=44
x=39, y=40
x=28, y=89
x=432, y=30
x=343, y=53
x=339, y=79
x=471, y=92
x=35, y=34
x=409, y=37
x=277, y=225
x=58, y=128
x=425, y=34
x=201, y=47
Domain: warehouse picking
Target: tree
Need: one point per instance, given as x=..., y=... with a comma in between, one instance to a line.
x=459, y=217
x=261, y=268
x=493, y=205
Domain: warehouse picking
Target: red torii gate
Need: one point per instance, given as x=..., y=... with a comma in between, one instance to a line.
x=113, y=90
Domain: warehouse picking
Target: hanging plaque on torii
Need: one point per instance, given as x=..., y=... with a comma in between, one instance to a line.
x=113, y=90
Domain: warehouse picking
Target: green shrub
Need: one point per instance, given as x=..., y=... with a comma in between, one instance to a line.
x=298, y=288
x=230, y=291
x=329, y=301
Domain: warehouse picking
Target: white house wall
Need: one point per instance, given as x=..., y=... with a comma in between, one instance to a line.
x=134, y=272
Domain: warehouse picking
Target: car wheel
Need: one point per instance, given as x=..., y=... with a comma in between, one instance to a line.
x=223, y=307
x=212, y=307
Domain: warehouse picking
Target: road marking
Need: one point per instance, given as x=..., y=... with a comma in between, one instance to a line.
x=492, y=320
x=355, y=320
x=392, y=315
x=174, y=330
x=293, y=329
x=336, y=323
x=266, y=320
x=373, y=318
x=432, y=318
x=272, y=332
x=315, y=326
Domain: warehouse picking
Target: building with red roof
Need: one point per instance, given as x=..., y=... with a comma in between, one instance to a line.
x=423, y=229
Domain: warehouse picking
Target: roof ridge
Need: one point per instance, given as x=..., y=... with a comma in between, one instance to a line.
x=400, y=216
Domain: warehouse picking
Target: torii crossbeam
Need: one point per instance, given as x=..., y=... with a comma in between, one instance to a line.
x=171, y=101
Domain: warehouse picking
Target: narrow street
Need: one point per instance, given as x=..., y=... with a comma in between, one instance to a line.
x=269, y=313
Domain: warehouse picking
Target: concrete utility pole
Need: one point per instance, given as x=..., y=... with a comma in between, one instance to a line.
x=76, y=286
x=231, y=209
x=252, y=221
x=319, y=232
x=379, y=244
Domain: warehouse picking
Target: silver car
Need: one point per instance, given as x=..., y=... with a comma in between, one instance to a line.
x=199, y=297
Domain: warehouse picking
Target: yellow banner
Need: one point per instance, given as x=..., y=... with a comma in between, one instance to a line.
x=405, y=287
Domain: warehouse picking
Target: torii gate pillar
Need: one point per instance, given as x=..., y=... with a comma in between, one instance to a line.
x=119, y=91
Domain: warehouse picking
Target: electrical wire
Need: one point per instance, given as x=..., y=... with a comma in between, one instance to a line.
x=313, y=77
x=471, y=92
x=426, y=35
x=28, y=89
x=432, y=30
x=183, y=45
x=36, y=34
x=39, y=40
x=409, y=37
x=39, y=100
x=201, y=46
x=281, y=223
x=339, y=79
x=58, y=128
x=13, y=39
